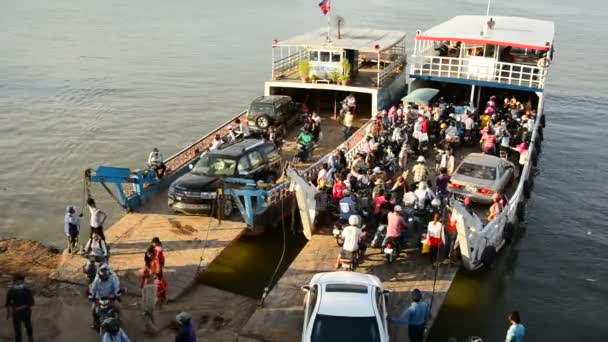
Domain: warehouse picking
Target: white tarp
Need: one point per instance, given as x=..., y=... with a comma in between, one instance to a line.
x=306, y=198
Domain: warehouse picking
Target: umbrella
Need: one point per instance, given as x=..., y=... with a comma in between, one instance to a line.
x=421, y=95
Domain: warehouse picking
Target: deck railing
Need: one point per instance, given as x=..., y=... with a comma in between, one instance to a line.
x=287, y=65
x=480, y=68
x=391, y=70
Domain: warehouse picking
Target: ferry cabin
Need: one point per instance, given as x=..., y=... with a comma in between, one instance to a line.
x=368, y=63
x=511, y=54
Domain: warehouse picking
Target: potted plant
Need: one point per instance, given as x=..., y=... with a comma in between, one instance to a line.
x=346, y=72
x=304, y=70
x=314, y=78
x=326, y=76
x=335, y=77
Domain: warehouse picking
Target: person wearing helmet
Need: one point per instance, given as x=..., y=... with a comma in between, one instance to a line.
x=113, y=332
x=156, y=162
x=397, y=224
x=350, y=235
x=424, y=195
x=186, y=331
x=420, y=171
x=97, y=248
x=415, y=317
x=72, y=228
x=105, y=285
x=348, y=207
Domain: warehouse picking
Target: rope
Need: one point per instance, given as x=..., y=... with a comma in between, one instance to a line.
x=200, y=261
x=276, y=270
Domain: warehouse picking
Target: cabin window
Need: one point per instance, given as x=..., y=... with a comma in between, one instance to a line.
x=324, y=56
x=336, y=56
x=314, y=56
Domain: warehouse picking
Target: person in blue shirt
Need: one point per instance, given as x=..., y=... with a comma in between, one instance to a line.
x=186, y=331
x=348, y=207
x=517, y=330
x=415, y=317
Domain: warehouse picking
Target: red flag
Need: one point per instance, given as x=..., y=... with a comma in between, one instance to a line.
x=324, y=5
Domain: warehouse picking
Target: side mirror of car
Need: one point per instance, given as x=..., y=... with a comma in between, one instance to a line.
x=305, y=288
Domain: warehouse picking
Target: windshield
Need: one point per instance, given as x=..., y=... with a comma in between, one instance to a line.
x=352, y=329
x=210, y=165
x=477, y=171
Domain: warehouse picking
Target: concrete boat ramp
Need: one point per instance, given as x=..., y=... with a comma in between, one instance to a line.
x=191, y=243
x=281, y=316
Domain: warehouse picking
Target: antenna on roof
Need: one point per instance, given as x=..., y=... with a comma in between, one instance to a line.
x=339, y=22
x=489, y=24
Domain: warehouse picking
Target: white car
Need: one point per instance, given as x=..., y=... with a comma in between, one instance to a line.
x=345, y=306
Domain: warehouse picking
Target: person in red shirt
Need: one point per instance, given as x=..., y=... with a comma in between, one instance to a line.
x=161, y=289
x=338, y=189
x=424, y=126
x=159, y=255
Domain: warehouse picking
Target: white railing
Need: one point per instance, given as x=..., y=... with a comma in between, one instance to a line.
x=286, y=65
x=390, y=71
x=480, y=68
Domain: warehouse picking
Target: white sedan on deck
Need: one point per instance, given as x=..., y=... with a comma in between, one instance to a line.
x=345, y=306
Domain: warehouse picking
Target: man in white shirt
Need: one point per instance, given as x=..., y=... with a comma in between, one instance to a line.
x=350, y=235
x=448, y=161
x=98, y=217
x=157, y=163
x=217, y=142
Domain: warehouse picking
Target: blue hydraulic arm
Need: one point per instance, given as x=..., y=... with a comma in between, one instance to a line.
x=249, y=199
x=119, y=176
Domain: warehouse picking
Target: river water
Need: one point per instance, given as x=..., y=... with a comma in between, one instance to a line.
x=84, y=83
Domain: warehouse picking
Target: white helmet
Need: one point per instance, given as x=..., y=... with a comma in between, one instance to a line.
x=397, y=208
x=354, y=220
x=421, y=159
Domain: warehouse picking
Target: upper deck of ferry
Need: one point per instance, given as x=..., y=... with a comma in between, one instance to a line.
x=500, y=52
x=375, y=57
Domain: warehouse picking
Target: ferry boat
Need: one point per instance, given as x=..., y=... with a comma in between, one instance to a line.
x=481, y=56
x=463, y=58
x=368, y=64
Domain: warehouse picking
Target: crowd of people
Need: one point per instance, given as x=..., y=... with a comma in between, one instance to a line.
x=380, y=186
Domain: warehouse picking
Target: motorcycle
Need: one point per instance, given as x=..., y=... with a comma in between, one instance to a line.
x=304, y=152
x=348, y=260
x=391, y=250
x=104, y=309
x=337, y=233
x=378, y=239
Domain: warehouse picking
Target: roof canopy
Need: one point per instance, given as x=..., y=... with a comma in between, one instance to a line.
x=364, y=40
x=507, y=31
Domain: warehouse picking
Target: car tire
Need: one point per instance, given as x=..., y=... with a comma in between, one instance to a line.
x=262, y=121
x=228, y=208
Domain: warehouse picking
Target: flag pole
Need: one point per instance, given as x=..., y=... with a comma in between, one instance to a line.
x=329, y=21
x=488, y=10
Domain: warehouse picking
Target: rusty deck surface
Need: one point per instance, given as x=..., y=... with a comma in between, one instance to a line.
x=191, y=243
x=282, y=315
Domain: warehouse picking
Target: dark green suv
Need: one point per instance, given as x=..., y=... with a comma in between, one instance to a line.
x=278, y=110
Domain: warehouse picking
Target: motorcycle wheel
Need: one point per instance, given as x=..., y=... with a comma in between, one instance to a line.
x=389, y=258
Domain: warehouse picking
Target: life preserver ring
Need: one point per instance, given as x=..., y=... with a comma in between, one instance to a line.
x=507, y=233
x=520, y=212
